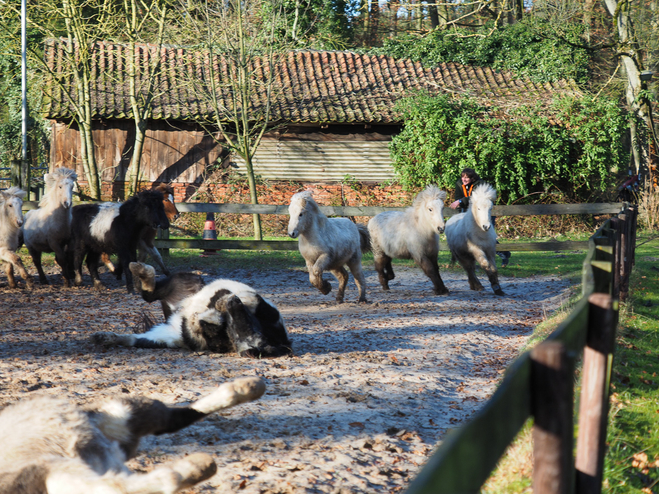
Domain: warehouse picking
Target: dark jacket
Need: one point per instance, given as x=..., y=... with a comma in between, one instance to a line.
x=462, y=193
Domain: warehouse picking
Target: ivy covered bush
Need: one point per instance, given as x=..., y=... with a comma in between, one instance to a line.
x=571, y=150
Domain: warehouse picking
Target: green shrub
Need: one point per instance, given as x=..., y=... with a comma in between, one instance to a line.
x=569, y=150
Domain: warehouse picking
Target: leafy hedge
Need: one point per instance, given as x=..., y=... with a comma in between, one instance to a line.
x=574, y=149
x=530, y=47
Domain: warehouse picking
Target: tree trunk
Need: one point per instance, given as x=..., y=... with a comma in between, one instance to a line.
x=631, y=60
x=434, y=15
x=253, y=195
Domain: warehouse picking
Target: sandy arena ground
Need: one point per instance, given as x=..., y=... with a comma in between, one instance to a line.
x=369, y=394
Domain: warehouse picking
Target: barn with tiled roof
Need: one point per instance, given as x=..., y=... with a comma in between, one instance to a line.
x=333, y=113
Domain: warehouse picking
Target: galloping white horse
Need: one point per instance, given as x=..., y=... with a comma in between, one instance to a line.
x=328, y=244
x=48, y=228
x=472, y=239
x=410, y=234
x=11, y=219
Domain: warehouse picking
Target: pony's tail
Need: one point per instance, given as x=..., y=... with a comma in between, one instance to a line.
x=364, y=237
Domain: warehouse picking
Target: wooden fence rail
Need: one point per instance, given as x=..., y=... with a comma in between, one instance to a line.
x=539, y=384
x=164, y=242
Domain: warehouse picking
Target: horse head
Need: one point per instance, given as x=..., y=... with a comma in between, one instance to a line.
x=480, y=205
x=11, y=202
x=302, y=204
x=150, y=208
x=429, y=208
x=170, y=207
x=59, y=187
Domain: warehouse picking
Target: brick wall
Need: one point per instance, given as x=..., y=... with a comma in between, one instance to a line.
x=356, y=194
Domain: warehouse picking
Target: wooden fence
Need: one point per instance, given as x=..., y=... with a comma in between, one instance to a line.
x=540, y=384
x=163, y=241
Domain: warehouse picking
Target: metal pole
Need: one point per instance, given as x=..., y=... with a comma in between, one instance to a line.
x=24, y=163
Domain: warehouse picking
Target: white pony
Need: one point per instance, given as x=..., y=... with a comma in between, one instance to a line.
x=11, y=220
x=472, y=239
x=410, y=234
x=48, y=228
x=328, y=244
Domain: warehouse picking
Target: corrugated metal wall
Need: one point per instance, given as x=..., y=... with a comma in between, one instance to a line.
x=321, y=161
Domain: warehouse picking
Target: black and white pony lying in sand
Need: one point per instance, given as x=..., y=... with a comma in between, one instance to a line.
x=51, y=446
x=224, y=316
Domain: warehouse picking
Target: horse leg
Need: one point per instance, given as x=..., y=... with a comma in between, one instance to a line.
x=316, y=274
x=36, y=260
x=78, y=256
x=9, y=270
x=357, y=273
x=384, y=269
x=489, y=266
x=389, y=269
x=15, y=262
x=149, y=248
x=469, y=266
x=342, y=275
x=431, y=269
x=63, y=262
x=92, y=265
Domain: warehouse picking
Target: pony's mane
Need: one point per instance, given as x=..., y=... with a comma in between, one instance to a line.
x=12, y=192
x=430, y=193
x=166, y=189
x=306, y=196
x=483, y=191
x=51, y=179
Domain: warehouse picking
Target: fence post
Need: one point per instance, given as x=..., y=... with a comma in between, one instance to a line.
x=163, y=234
x=553, y=429
x=594, y=402
x=625, y=265
x=618, y=256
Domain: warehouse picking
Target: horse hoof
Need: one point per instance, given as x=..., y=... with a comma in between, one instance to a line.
x=499, y=292
x=443, y=291
x=98, y=285
x=44, y=281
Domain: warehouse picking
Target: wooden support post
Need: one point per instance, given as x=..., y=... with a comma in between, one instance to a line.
x=618, y=256
x=625, y=264
x=634, y=225
x=553, y=429
x=594, y=402
x=163, y=235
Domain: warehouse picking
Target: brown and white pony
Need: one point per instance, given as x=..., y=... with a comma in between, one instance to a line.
x=146, y=245
x=52, y=446
x=11, y=220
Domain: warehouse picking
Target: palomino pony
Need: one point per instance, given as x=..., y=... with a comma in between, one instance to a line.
x=328, y=244
x=148, y=235
x=11, y=220
x=48, y=228
x=410, y=234
x=472, y=239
